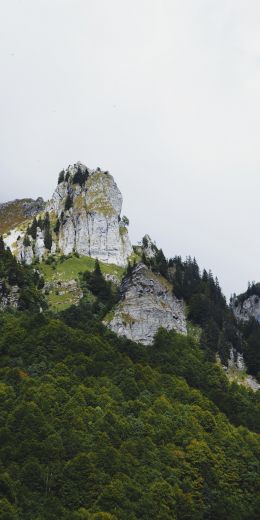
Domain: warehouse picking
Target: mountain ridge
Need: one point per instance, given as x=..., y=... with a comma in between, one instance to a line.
x=82, y=222
x=152, y=418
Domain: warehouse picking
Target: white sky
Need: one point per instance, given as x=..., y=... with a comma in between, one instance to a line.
x=165, y=94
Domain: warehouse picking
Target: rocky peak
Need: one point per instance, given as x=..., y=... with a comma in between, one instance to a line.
x=83, y=216
x=81, y=188
x=146, y=304
x=149, y=247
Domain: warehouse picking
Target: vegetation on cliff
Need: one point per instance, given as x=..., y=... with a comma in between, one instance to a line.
x=28, y=281
x=207, y=308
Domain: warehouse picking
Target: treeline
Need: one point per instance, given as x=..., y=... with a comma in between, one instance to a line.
x=207, y=307
x=79, y=176
x=252, y=290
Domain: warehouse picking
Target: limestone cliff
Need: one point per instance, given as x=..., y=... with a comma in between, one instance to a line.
x=83, y=216
x=146, y=304
x=92, y=226
x=247, y=308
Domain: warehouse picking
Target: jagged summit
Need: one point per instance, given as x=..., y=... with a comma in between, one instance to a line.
x=83, y=216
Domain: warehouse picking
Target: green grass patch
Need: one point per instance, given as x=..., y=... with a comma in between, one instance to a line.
x=109, y=316
x=61, y=302
x=70, y=268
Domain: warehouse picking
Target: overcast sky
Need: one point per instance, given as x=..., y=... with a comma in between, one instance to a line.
x=165, y=94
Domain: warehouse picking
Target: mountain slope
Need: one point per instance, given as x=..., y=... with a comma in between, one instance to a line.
x=94, y=426
x=97, y=427
x=14, y=213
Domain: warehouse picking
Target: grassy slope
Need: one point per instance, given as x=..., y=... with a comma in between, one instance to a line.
x=12, y=215
x=69, y=269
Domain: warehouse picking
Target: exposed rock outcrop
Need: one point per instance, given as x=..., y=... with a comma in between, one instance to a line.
x=9, y=297
x=244, y=309
x=147, y=303
x=84, y=217
x=236, y=370
x=92, y=225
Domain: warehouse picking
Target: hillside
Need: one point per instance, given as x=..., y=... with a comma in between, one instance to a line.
x=124, y=384
x=13, y=214
x=97, y=427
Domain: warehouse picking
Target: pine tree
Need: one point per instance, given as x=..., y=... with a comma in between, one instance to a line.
x=47, y=232
x=61, y=177
x=32, y=230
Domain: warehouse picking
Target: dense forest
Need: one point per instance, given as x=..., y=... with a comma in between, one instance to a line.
x=96, y=427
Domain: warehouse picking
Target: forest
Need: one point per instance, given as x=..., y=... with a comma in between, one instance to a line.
x=96, y=427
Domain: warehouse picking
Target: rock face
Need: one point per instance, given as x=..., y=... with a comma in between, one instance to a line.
x=236, y=370
x=249, y=308
x=148, y=247
x=147, y=303
x=84, y=217
x=236, y=360
x=9, y=297
x=92, y=226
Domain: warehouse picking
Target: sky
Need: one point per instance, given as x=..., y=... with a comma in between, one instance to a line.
x=165, y=94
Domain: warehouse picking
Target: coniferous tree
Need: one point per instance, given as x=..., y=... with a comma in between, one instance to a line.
x=32, y=230
x=47, y=232
x=61, y=177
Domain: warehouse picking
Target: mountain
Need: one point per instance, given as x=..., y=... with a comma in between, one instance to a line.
x=83, y=216
x=124, y=384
